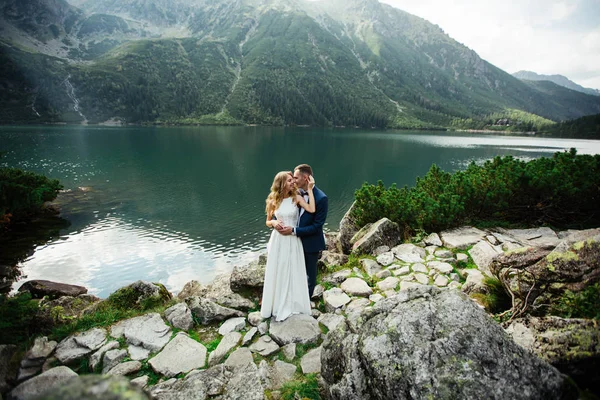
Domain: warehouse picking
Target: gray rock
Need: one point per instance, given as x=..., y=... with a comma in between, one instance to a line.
x=337, y=277
x=441, y=281
x=383, y=274
x=357, y=305
x=318, y=292
x=138, y=353
x=356, y=287
x=331, y=259
x=311, y=362
x=180, y=316
x=42, y=348
x=433, y=240
x=571, y=345
x=70, y=307
x=430, y=250
x=382, y=233
x=254, y=318
x=462, y=257
x=76, y=346
x=229, y=342
x=192, y=288
x=331, y=321
x=289, y=351
x=444, y=254
x=245, y=384
x=493, y=240
x=8, y=369
x=46, y=381
x=220, y=292
x=388, y=283
x=239, y=358
x=141, y=292
x=462, y=238
x=413, y=346
x=418, y=267
x=141, y=381
x=250, y=277
x=455, y=285
x=40, y=288
x=544, y=238
x=126, y=368
x=265, y=346
x=474, y=282
x=197, y=385
x=348, y=228
x=182, y=354
x=380, y=250
x=335, y=298
x=207, y=311
x=263, y=328
x=371, y=267
x=94, y=387
x=332, y=242
x=442, y=267
x=273, y=377
x=405, y=285
x=376, y=297
x=112, y=358
x=249, y=336
x=297, y=328
x=97, y=356
x=148, y=331
x=482, y=254
x=405, y=270
x=386, y=259
x=232, y=325
x=410, y=253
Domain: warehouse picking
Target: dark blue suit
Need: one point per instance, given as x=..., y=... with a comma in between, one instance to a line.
x=310, y=231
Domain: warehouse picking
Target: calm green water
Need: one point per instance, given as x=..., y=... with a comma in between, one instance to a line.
x=176, y=204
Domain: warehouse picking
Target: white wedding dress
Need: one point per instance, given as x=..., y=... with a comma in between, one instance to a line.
x=286, y=288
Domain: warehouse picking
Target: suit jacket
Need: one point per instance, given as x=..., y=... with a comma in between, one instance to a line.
x=310, y=226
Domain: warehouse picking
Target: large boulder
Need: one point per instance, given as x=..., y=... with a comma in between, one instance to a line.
x=432, y=343
x=381, y=233
x=462, y=238
x=95, y=387
x=79, y=345
x=544, y=237
x=41, y=288
x=571, y=345
x=348, y=228
x=36, y=386
x=140, y=295
x=219, y=291
x=148, y=331
x=249, y=278
x=182, y=354
x=570, y=266
x=65, y=308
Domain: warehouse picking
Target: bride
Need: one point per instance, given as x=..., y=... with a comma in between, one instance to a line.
x=285, y=290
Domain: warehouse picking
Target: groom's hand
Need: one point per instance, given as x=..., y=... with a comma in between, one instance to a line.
x=287, y=230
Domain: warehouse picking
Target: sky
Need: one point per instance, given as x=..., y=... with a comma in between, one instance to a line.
x=544, y=36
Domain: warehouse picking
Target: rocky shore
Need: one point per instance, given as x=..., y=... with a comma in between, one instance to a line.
x=389, y=320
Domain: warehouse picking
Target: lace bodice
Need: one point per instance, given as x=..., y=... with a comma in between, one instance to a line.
x=287, y=212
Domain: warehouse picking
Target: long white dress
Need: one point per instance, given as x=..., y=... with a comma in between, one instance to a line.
x=285, y=290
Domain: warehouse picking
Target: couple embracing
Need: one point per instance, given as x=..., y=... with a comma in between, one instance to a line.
x=296, y=210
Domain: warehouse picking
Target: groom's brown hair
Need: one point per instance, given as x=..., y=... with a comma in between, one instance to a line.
x=304, y=168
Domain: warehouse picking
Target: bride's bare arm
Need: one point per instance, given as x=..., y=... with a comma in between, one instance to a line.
x=310, y=206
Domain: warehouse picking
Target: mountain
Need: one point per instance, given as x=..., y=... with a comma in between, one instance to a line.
x=297, y=62
x=558, y=79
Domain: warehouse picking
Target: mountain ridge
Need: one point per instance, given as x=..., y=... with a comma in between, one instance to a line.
x=557, y=79
x=292, y=62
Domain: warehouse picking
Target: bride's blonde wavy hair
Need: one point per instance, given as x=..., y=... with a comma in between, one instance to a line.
x=278, y=192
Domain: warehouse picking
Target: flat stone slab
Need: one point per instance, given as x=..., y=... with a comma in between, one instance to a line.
x=112, y=358
x=249, y=336
x=543, y=237
x=76, y=346
x=371, y=267
x=356, y=287
x=331, y=321
x=388, y=283
x=265, y=346
x=182, y=354
x=207, y=311
x=386, y=259
x=298, y=328
x=335, y=298
x=358, y=304
x=97, y=356
x=232, y=325
x=138, y=353
x=462, y=238
x=180, y=316
x=276, y=375
x=148, y=331
x=229, y=342
x=40, y=288
x=126, y=368
x=409, y=253
x=433, y=240
x=311, y=362
x=443, y=267
x=240, y=357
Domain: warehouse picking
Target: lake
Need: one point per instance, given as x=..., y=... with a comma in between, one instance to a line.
x=172, y=204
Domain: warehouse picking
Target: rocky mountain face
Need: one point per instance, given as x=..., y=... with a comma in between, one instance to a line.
x=558, y=79
x=330, y=63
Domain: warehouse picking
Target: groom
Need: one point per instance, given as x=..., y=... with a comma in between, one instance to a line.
x=310, y=226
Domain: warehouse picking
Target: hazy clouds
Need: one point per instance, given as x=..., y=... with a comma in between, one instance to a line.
x=546, y=37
